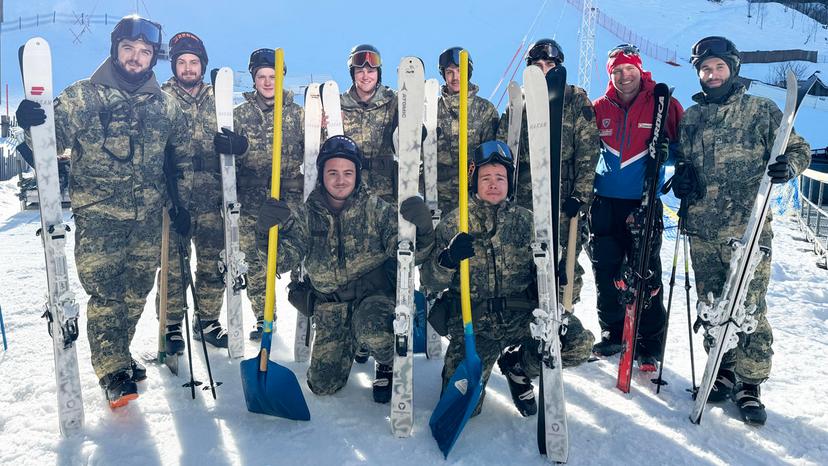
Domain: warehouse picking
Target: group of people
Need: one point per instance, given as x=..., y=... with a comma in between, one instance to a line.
x=139, y=148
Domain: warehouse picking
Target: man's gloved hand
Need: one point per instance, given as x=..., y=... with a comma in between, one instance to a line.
x=461, y=247
x=29, y=113
x=571, y=206
x=685, y=181
x=228, y=142
x=780, y=171
x=662, y=147
x=273, y=212
x=180, y=220
x=414, y=210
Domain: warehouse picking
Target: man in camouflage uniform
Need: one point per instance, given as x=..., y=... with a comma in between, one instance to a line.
x=346, y=234
x=483, y=121
x=625, y=119
x=369, y=117
x=254, y=119
x=579, y=153
x=121, y=127
x=726, y=140
x=503, y=287
x=188, y=60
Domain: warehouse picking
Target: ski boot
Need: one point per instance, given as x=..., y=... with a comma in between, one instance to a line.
x=119, y=388
x=256, y=335
x=382, y=383
x=746, y=396
x=139, y=372
x=607, y=346
x=647, y=362
x=173, y=341
x=723, y=386
x=520, y=386
x=361, y=355
x=213, y=333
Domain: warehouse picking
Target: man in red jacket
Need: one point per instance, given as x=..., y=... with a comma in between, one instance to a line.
x=624, y=115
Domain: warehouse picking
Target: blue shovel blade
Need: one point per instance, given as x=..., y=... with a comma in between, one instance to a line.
x=455, y=407
x=274, y=392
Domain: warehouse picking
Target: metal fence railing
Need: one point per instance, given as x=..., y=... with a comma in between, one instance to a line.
x=813, y=216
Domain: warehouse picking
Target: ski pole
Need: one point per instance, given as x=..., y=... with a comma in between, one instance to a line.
x=689, y=317
x=658, y=380
x=185, y=272
x=3, y=330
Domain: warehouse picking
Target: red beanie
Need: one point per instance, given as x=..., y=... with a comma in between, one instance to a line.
x=622, y=59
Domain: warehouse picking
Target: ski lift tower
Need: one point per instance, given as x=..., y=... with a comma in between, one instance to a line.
x=587, y=44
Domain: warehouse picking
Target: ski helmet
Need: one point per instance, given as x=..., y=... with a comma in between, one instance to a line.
x=544, y=49
x=262, y=58
x=134, y=27
x=187, y=42
x=451, y=56
x=492, y=152
x=716, y=46
x=365, y=55
x=339, y=146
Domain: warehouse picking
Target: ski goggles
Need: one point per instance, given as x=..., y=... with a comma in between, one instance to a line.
x=714, y=45
x=340, y=145
x=544, y=52
x=364, y=58
x=626, y=49
x=139, y=28
x=493, y=151
x=451, y=57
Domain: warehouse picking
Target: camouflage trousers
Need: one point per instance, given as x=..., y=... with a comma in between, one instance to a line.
x=256, y=263
x=116, y=262
x=341, y=328
x=576, y=346
x=751, y=359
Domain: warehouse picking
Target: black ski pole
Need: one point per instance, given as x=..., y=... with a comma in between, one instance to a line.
x=689, y=318
x=185, y=257
x=185, y=274
x=659, y=381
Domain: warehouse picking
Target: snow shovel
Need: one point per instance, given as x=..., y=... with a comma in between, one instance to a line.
x=268, y=387
x=461, y=395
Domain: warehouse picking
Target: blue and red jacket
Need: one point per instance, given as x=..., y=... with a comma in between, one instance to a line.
x=625, y=133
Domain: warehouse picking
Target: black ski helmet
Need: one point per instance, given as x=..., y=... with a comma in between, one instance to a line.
x=365, y=55
x=262, y=58
x=187, y=42
x=134, y=27
x=451, y=56
x=716, y=46
x=339, y=146
x=544, y=49
x=492, y=152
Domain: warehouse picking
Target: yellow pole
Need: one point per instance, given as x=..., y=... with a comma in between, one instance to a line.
x=465, y=298
x=273, y=234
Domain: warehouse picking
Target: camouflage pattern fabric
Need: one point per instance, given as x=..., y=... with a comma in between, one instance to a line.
x=371, y=125
x=253, y=170
x=729, y=145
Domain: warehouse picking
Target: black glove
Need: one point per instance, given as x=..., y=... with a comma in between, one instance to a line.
x=414, y=210
x=228, y=142
x=273, y=212
x=780, y=171
x=180, y=219
x=662, y=147
x=29, y=113
x=685, y=181
x=461, y=247
x=571, y=206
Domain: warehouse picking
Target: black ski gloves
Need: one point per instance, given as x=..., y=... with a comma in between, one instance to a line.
x=29, y=113
x=414, y=210
x=180, y=220
x=686, y=181
x=272, y=213
x=461, y=247
x=662, y=147
x=571, y=206
x=228, y=142
x=780, y=171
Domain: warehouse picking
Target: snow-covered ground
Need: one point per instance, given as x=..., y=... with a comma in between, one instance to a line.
x=165, y=426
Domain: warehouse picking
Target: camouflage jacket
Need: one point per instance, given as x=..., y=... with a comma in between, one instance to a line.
x=371, y=125
x=118, y=143
x=580, y=147
x=502, y=265
x=253, y=169
x=200, y=112
x=729, y=144
x=483, y=121
x=340, y=249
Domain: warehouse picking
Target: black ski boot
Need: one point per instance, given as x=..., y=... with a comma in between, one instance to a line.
x=520, y=386
x=119, y=388
x=723, y=386
x=750, y=406
x=139, y=372
x=256, y=335
x=173, y=341
x=213, y=333
x=361, y=355
x=607, y=346
x=382, y=383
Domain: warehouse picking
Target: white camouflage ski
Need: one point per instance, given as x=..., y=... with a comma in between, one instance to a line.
x=332, y=107
x=434, y=344
x=61, y=307
x=515, y=121
x=231, y=263
x=303, y=335
x=410, y=110
x=553, y=435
